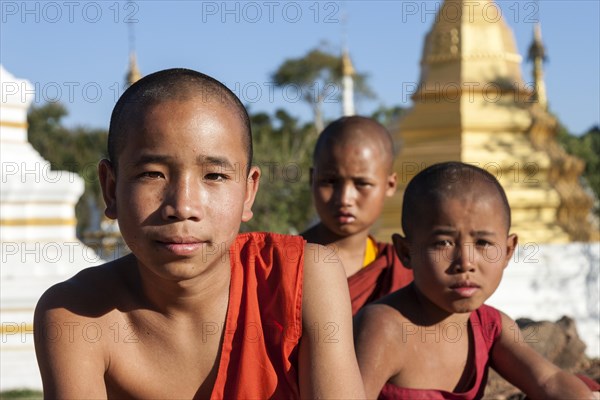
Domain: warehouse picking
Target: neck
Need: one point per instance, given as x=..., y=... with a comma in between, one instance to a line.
x=322, y=235
x=194, y=296
x=427, y=313
x=350, y=249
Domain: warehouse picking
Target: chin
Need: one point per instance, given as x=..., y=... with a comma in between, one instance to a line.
x=466, y=307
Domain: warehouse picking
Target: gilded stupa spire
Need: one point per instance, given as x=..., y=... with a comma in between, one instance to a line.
x=537, y=55
x=347, y=67
x=133, y=73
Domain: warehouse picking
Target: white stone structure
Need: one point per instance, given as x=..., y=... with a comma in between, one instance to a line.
x=547, y=281
x=37, y=233
x=347, y=85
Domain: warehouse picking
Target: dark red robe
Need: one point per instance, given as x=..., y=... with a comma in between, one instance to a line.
x=383, y=276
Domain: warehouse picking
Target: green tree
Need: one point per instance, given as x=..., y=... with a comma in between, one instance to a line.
x=76, y=150
x=389, y=116
x=283, y=150
x=318, y=74
x=587, y=148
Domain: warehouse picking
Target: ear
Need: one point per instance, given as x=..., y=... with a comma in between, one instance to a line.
x=391, y=184
x=252, y=183
x=402, y=249
x=511, y=244
x=108, y=183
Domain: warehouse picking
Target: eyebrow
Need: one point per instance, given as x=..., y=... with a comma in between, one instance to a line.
x=452, y=231
x=201, y=159
x=222, y=162
x=152, y=159
x=444, y=231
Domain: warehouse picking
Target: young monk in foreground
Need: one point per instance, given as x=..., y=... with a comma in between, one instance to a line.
x=351, y=178
x=435, y=339
x=196, y=311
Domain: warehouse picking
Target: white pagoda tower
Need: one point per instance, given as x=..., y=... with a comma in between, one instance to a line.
x=37, y=233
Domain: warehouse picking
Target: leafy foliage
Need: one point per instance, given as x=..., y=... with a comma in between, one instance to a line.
x=587, y=148
x=283, y=150
x=319, y=75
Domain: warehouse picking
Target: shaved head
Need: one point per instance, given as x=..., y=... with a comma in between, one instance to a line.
x=449, y=180
x=177, y=84
x=357, y=130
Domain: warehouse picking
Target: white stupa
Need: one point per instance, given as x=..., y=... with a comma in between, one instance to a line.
x=37, y=233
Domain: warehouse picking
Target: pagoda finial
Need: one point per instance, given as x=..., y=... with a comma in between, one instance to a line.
x=537, y=55
x=133, y=73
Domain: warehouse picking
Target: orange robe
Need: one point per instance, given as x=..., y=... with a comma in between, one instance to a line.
x=259, y=354
x=383, y=276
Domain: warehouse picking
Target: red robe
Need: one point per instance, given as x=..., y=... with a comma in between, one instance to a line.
x=259, y=354
x=383, y=276
x=486, y=325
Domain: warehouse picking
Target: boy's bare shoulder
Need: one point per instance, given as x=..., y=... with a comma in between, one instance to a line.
x=380, y=318
x=385, y=318
x=93, y=292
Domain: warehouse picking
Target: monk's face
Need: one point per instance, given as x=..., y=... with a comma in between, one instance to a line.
x=458, y=249
x=181, y=189
x=350, y=182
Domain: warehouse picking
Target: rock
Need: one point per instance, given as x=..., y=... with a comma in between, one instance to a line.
x=558, y=342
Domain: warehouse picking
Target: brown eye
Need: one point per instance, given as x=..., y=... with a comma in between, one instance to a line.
x=483, y=243
x=215, y=177
x=152, y=175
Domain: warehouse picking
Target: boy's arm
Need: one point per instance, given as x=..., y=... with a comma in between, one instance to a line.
x=71, y=364
x=379, y=356
x=327, y=362
x=525, y=368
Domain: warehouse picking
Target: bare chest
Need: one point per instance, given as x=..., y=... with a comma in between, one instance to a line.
x=160, y=360
x=440, y=358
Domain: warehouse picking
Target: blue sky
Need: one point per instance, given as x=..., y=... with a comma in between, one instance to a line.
x=77, y=52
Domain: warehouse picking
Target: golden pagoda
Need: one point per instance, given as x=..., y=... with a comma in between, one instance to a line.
x=472, y=105
x=133, y=74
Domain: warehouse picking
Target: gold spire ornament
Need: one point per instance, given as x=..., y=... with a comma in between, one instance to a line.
x=347, y=67
x=133, y=74
x=537, y=55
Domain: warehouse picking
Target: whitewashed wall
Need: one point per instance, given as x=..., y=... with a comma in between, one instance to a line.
x=545, y=282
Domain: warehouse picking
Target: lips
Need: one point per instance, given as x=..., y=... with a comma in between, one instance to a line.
x=181, y=245
x=345, y=217
x=465, y=288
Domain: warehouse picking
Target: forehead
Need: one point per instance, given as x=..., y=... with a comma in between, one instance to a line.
x=351, y=155
x=476, y=208
x=195, y=123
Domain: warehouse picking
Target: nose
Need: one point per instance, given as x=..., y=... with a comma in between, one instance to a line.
x=345, y=194
x=465, y=258
x=183, y=200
